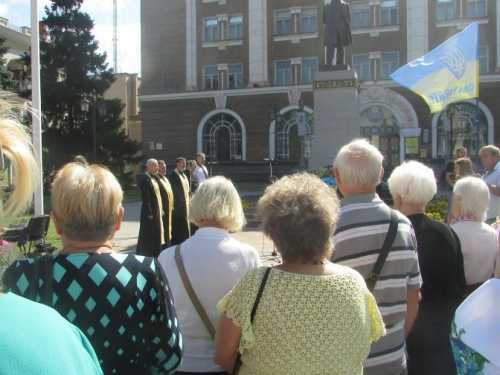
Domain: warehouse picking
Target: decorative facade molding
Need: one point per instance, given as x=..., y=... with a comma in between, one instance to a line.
x=402, y=109
x=294, y=96
x=220, y=101
x=337, y=84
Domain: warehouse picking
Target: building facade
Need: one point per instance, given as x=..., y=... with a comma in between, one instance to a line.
x=234, y=78
x=18, y=40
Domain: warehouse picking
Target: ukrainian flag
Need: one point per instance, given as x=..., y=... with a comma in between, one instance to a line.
x=447, y=74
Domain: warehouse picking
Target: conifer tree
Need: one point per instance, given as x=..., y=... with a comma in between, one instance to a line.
x=72, y=70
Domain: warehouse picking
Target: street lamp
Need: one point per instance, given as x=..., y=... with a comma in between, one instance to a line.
x=94, y=106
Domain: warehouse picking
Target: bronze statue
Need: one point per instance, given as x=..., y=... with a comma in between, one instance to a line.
x=337, y=20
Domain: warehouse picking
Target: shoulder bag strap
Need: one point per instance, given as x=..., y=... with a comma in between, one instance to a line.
x=237, y=362
x=384, y=252
x=192, y=295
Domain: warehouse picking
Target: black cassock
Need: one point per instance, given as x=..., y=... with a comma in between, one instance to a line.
x=149, y=241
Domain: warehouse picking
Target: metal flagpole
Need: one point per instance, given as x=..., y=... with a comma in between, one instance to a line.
x=36, y=102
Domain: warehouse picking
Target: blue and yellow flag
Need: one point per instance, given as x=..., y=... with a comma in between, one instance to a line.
x=447, y=74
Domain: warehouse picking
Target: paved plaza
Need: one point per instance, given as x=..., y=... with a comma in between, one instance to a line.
x=126, y=237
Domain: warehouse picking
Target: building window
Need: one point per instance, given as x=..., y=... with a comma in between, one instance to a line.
x=235, y=76
x=309, y=20
x=283, y=73
x=309, y=69
x=235, y=28
x=290, y=142
x=389, y=12
x=211, y=76
x=445, y=10
x=211, y=29
x=222, y=138
x=476, y=8
x=483, y=59
x=461, y=124
x=361, y=64
x=283, y=22
x=389, y=62
x=360, y=14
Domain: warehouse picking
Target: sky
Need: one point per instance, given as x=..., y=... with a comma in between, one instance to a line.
x=18, y=12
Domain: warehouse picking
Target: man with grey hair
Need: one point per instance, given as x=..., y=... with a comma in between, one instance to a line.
x=490, y=158
x=361, y=230
x=201, y=172
x=151, y=235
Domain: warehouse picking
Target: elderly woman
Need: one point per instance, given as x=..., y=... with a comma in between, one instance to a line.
x=314, y=316
x=479, y=240
x=121, y=301
x=23, y=323
x=412, y=186
x=213, y=262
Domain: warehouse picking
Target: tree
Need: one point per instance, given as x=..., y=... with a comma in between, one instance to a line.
x=6, y=77
x=71, y=71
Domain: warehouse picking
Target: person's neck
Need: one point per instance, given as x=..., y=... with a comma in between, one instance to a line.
x=75, y=247
x=179, y=170
x=211, y=224
x=349, y=191
x=409, y=209
x=314, y=268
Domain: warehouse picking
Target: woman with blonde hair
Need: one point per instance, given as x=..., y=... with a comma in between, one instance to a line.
x=23, y=323
x=313, y=316
x=121, y=301
x=213, y=262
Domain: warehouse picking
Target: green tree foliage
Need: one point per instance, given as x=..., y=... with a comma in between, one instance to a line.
x=6, y=77
x=72, y=70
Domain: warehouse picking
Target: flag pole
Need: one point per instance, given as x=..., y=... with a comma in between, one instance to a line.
x=36, y=103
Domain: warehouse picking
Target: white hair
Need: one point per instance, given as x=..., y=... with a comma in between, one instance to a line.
x=151, y=162
x=217, y=200
x=475, y=197
x=359, y=164
x=414, y=182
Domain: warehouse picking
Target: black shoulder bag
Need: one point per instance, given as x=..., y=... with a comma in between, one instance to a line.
x=384, y=252
x=237, y=362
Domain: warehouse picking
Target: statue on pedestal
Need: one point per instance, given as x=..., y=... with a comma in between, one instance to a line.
x=337, y=20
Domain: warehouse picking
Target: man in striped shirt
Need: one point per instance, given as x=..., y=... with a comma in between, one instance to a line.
x=361, y=230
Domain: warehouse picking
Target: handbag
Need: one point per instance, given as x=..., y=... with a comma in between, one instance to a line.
x=237, y=362
x=192, y=295
x=384, y=252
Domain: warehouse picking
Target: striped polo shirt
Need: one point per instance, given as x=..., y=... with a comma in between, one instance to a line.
x=361, y=230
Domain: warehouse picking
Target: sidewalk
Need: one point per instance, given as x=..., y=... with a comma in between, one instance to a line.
x=126, y=237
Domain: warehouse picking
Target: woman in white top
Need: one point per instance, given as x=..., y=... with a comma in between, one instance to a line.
x=214, y=262
x=479, y=240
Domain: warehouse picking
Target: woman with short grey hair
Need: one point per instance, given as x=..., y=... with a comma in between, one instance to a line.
x=479, y=240
x=213, y=262
x=413, y=185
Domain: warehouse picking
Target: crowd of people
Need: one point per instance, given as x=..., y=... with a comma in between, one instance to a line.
x=362, y=287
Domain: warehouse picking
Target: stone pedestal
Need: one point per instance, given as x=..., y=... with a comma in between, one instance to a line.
x=336, y=114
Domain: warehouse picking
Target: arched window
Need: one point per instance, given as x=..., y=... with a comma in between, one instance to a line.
x=222, y=138
x=461, y=124
x=379, y=124
x=295, y=130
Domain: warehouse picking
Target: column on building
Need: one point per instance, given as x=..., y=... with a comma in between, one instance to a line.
x=497, y=11
x=417, y=28
x=257, y=43
x=191, y=57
